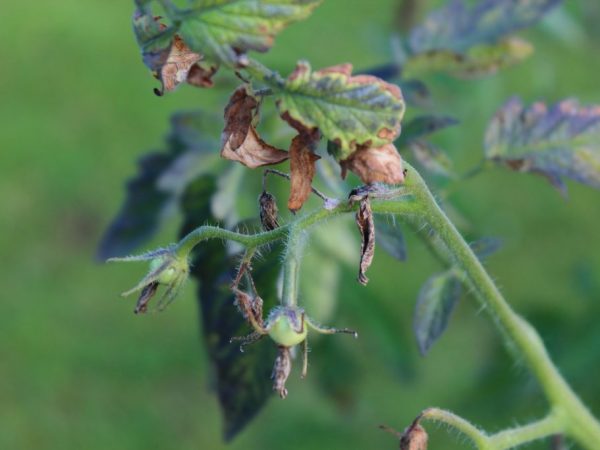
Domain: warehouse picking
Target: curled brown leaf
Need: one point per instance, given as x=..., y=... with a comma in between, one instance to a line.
x=183, y=65
x=302, y=168
x=366, y=226
x=375, y=165
x=240, y=141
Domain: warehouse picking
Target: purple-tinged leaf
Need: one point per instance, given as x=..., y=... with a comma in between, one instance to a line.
x=562, y=140
x=458, y=28
x=435, y=304
x=473, y=41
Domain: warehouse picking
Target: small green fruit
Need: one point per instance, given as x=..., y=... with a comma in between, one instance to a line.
x=287, y=326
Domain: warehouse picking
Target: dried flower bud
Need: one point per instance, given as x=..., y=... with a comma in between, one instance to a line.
x=366, y=226
x=166, y=268
x=268, y=211
x=414, y=438
x=281, y=370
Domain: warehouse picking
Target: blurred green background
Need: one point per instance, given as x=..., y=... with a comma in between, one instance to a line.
x=79, y=370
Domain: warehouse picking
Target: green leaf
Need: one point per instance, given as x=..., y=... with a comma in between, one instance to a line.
x=471, y=41
x=349, y=110
x=435, y=303
x=152, y=195
x=242, y=380
x=221, y=30
x=154, y=41
x=562, y=140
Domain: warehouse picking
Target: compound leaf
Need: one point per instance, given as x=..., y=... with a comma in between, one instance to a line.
x=154, y=192
x=562, y=140
x=242, y=380
x=351, y=111
x=435, y=303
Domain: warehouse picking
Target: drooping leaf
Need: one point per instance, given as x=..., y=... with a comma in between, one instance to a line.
x=302, y=169
x=390, y=238
x=473, y=40
x=431, y=158
x=242, y=380
x=351, y=111
x=366, y=226
x=154, y=192
x=562, y=140
x=422, y=126
x=375, y=164
x=222, y=30
x=240, y=140
x=435, y=303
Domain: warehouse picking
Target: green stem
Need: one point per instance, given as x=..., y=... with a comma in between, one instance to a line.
x=548, y=426
x=291, y=265
x=478, y=437
x=401, y=205
x=577, y=421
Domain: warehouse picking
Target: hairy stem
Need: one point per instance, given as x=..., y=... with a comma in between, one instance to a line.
x=520, y=336
x=291, y=265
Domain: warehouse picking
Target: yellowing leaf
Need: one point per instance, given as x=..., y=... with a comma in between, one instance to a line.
x=351, y=111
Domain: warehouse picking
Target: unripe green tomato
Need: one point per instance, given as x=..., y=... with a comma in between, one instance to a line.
x=284, y=333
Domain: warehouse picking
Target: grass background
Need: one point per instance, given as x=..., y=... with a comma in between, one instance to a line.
x=78, y=370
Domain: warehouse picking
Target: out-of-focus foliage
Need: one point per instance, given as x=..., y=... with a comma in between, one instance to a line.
x=562, y=140
x=472, y=40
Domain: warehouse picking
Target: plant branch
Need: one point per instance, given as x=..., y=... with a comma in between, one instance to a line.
x=520, y=336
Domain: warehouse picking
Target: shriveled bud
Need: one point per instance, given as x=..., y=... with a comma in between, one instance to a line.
x=414, y=438
x=268, y=211
x=281, y=370
x=166, y=269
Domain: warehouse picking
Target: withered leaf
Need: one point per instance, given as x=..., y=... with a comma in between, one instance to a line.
x=366, y=226
x=302, y=169
x=183, y=65
x=239, y=140
x=375, y=165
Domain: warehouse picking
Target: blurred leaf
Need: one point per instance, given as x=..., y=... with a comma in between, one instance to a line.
x=562, y=140
x=435, y=303
x=243, y=382
x=389, y=237
x=478, y=61
x=221, y=30
x=336, y=370
x=472, y=40
x=486, y=247
x=349, y=110
x=154, y=192
x=423, y=126
x=432, y=159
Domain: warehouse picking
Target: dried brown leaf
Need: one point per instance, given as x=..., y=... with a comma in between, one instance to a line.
x=375, y=165
x=240, y=141
x=366, y=226
x=181, y=65
x=302, y=169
